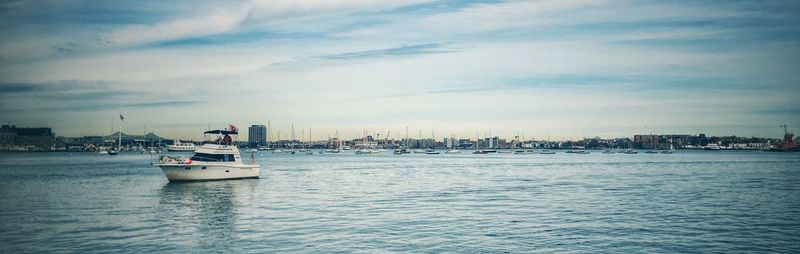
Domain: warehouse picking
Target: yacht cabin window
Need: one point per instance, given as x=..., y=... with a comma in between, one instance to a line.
x=213, y=157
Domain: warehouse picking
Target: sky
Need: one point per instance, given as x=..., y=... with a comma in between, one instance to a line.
x=543, y=69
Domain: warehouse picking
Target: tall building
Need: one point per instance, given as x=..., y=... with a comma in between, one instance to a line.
x=646, y=141
x=257, y=135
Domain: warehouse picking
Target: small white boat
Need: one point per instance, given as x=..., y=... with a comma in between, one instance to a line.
x=453, y=151
x=181, y=147
x=219, y=161
x=365, y=151
x=484, y=151
x=431, y=151
x=671, y=148
x=547, y=152
x=278, y=151
x=630, y=151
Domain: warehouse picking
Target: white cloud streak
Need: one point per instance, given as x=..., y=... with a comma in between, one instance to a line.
x=501, y=70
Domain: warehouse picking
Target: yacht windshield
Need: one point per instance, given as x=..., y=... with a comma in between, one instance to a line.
x=212, y=157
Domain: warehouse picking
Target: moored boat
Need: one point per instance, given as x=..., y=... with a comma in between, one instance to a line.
x=401, y=151
x=179, y=146
x=431, y=151
x=546, y=152
x=787, y=145
x=453, y=151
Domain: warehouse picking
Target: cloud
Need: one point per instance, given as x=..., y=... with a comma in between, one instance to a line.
x=215, y=23
x=258, y=15
x=105, y=106
x=16, y=88
x=80, y=95
x=437, y=63
x=67, y=90
x=419, y=49
x=326, y=60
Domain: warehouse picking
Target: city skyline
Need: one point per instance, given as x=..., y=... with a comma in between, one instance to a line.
x=304, y=135
x=564, y=69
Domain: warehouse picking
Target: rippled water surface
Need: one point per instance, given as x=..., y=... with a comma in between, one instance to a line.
x=684, y=202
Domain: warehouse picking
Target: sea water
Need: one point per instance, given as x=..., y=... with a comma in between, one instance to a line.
x=690, y=201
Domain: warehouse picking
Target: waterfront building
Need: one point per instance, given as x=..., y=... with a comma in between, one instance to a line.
x=257, y=135
x=464, y=143
x=491, y=142
x=646, y=141
x=26, y=139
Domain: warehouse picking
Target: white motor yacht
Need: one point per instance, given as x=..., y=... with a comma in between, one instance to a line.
x=220, y=161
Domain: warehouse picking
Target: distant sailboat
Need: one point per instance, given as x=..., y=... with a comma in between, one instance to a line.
x=338, y=144
x=119, y=147
x=308, y=149
x=364, y=148
x=453, y=149
x=671, y=148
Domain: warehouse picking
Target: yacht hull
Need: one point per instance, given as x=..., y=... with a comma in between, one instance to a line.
x=201, y=172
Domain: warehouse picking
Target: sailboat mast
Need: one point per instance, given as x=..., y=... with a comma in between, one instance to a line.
x=406, y=137
x=434, y=139
x=121, y=121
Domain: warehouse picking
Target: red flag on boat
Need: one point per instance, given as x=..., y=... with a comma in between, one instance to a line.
x=233, y=128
